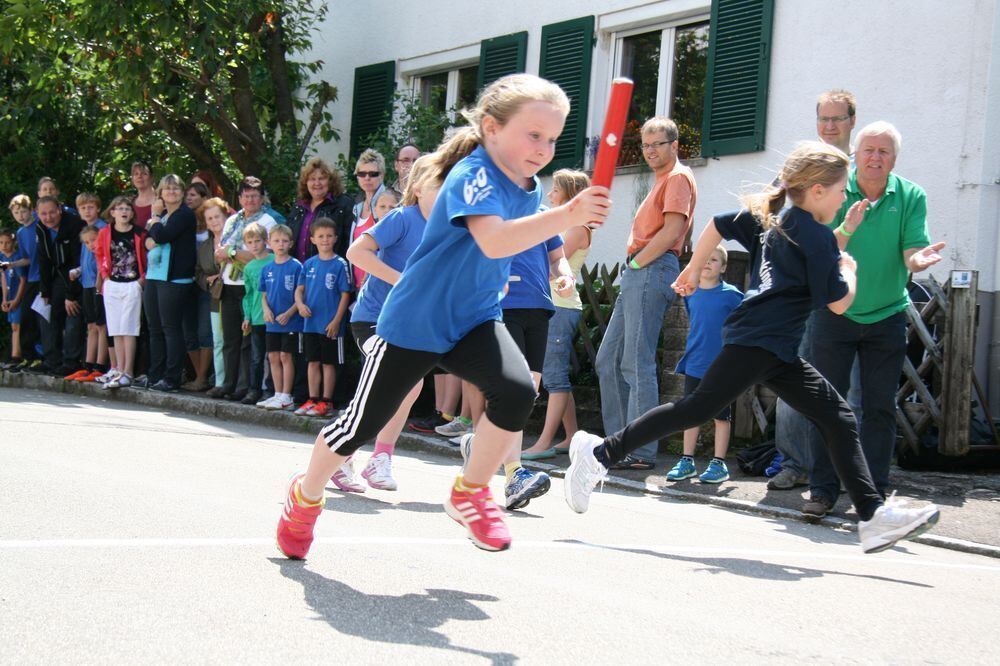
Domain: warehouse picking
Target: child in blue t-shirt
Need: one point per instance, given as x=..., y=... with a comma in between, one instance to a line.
x=797, y=268
x=445, y=309
x=322, y=293
x=281, y=315
x=12, y=287
x=96, y=359
x=707, y=309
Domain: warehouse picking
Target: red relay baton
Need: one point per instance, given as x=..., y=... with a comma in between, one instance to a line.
x=611, y=135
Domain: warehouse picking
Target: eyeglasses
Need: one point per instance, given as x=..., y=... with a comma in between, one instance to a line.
x=368, y=174
x=655, y=144
x=823, y=120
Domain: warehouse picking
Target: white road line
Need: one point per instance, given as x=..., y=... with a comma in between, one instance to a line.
x=665, y=549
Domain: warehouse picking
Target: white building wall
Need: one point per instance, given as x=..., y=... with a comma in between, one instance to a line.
x=922, y=64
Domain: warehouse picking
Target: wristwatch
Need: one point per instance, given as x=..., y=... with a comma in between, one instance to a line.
x=232, y=251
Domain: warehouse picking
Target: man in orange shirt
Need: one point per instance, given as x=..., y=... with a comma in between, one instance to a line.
x=626, y=361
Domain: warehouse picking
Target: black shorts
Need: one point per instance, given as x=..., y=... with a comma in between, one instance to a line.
x=691, y=383
x=530, y=329
x=282, y=342
x=320, y=349
x=93, y=307
x=362, y=330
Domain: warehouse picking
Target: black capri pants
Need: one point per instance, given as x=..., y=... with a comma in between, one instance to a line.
x=530, y=329
x=487, y=357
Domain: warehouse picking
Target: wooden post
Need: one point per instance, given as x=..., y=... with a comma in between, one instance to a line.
x=959, y=355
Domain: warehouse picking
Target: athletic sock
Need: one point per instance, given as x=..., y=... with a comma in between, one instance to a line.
x=382, y=447
x=690, y=458
x=464, y=420
x=446, y=417
x=601, y=453
x=718, y=460
x=301, y=498
x=510, y=468
x=464, y=486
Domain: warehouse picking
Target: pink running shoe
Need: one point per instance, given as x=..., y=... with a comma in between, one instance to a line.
x=480, y=516
x=345, y=479
x=295, y=527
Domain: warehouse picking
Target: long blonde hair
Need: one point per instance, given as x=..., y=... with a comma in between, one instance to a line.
x=501, y=100
x=570, y=182
x=811, y=163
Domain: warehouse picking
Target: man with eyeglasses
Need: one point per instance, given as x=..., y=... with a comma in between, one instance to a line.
x=405, y=157
x=835, y=118
x=626, y=361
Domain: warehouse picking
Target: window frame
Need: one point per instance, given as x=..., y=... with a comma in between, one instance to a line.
x=451, y=92
x=667, y=26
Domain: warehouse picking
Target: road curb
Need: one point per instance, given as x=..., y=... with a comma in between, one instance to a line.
x=229, y=411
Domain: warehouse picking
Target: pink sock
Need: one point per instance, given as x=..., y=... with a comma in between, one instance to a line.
x=382, y=447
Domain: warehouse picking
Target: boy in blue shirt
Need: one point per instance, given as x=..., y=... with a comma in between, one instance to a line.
x=281, y=316
x=96, y=357
x=322, y=293
x=707, y=309
x=27, y=260
x=12, y=288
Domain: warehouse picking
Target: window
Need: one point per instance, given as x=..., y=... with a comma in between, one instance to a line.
x=445, y=91
x=669, y=67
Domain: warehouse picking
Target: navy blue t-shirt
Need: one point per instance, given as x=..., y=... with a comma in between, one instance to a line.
x=397, y=235
x=278, y=282
x=449, y=286
x=708, y=310
x=325, y=280
x=795, y=270
x=529, y=278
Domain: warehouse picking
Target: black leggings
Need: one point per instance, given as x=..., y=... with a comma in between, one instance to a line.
x=487, y=357
x=797, y=383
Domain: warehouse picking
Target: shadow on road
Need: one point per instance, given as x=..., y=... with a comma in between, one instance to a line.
x=747, y=568
x=364, y=505
x=408, y=619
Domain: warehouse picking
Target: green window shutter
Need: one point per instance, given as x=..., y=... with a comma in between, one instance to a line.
x=567, y=51
x=374, y=86
x=739, y=55
x=501, y=56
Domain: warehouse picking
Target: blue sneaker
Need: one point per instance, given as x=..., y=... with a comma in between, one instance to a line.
x=684, y=469
x=716, y=472
x=524, y=486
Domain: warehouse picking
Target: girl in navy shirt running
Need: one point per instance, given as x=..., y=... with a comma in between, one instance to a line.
x=798, y=268
x=445, y=309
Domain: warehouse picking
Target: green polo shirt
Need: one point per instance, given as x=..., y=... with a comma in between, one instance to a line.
x=897, y=222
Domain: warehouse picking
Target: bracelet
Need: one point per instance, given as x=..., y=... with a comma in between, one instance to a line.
x=232, y=252
x=634, y=264
x=842, y=229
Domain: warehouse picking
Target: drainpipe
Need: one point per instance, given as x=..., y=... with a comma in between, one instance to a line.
x=994, y=356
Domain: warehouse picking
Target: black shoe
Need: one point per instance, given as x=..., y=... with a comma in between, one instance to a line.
x=251, y=398
x=235, y=396
x=633, y=463
x=163, y=386
x=39, y=368
x=141, y=382
x=817, y=506
x=428, y=424
x=215, y=392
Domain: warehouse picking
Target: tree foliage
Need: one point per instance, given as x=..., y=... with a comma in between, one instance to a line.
x=209, y=84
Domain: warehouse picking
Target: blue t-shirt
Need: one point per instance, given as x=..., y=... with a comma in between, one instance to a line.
x=449, y=286
x=324, y=282
x=27, y=243
x=12, y=274
x=158, y=263
x=529, y=278
x=795, y=270
x=88, y=262
x=397, y=235
x=277, y=282
x=707, y=310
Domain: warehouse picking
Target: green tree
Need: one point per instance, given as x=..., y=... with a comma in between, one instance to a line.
x=209, y=85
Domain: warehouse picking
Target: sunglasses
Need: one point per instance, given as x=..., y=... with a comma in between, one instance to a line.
x=368, y=174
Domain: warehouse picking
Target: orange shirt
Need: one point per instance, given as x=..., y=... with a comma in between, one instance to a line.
x=673, y=192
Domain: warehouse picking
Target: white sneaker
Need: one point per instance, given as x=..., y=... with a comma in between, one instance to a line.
x=894, y=521
x=108, y=376
x=454, y=428
x=344, y=478
x=121, y=381
x=585, y=470
x=280, y=402
x=263, y=402
x=465, y=446
x=378, y=472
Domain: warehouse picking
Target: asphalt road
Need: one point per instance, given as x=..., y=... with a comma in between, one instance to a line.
x=129, y=535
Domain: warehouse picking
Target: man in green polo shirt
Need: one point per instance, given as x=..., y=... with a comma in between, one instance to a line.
x=883, y=225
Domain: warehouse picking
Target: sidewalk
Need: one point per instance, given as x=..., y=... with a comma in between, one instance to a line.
x=970, y=503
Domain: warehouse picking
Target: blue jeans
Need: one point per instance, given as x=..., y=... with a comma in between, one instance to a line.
x=794, y=435
x=880, y=349
x=559, y=350
x=626, y=361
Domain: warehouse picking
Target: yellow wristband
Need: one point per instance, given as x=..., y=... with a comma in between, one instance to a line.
x=842, y=229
